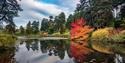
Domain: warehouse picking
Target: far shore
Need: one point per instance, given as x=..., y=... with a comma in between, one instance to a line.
x=42, y=38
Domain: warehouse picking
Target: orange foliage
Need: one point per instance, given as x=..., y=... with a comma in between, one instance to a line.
x=79, y=40
x=44, y=33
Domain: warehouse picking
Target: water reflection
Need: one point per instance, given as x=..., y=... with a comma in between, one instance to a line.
x=112, y=52
x=53, y=47
x=7, y=55
x=56, y=51
x=35, y=51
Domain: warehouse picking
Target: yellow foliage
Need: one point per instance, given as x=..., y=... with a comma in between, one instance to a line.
x=102, y=49
x=100, y=34
x=44, y=33
x=98, y=37
x=122, y=32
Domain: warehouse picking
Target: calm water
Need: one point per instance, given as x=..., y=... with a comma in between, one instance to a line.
x=52, y=51
x=37, y=51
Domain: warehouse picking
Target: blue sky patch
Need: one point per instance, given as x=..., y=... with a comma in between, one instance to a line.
x=56, y=2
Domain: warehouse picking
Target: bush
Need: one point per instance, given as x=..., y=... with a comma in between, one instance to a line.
x=107, y=40
x=100, y=40
x=7, y=40
x=118, y=37
x=43, y=33
x=100, y=35
x=56, y=34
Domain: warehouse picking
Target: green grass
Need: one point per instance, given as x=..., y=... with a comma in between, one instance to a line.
x=7, y=39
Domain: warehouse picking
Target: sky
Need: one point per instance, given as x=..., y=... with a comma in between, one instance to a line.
x=38, y=9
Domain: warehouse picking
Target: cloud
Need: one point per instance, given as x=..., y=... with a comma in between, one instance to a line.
x=38, y=9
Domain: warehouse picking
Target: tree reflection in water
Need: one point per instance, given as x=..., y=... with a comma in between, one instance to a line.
x=52, y=47
x=32, y=44
x=7, y=54
x=43, y=46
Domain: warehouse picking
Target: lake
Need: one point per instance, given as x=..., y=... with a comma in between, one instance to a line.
x=37, y=51
x=55, y=51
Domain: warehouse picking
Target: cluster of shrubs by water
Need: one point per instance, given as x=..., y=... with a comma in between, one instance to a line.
x=7, y=40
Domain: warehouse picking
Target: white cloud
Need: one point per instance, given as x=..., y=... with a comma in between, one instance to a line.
x=35, y=10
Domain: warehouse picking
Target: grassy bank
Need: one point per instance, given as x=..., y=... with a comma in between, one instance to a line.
x=56, y=34
x=7, y=39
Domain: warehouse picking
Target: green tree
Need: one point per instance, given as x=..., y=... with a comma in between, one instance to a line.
x=98, y=13
x=1, y=27
x=44, y=25
x=122, y=12
x=51, y=25
x=29, y=28
x=116, y=3
x=22, y=30
x=8, y=10
x=69, y=20
x=10, y=29
x=59, y=22
x=35, y=27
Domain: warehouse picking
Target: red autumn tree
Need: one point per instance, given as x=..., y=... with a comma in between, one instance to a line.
x=79, y=34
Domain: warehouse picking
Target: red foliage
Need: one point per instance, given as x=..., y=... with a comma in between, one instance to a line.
x=79, y=52
x=79, y=38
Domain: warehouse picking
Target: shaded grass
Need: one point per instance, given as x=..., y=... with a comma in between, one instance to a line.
x=7, y=39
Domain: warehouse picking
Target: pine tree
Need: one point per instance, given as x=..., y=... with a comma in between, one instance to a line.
x=69, y=20
x=8, y=10
x=44, y=25
x=59, y=22
x=35, y=27
x=22, y=30
x=28, y=28
x=98, y=13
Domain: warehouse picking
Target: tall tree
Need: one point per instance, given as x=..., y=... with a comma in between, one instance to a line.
x=22, y=30
x=121, y=23
x=8, y=10
x=59, y=22
x=35, y=27
x=51, y=25
x=69, y=20
x=50, y=18
x=44, y=25
x=29, y=28
x=122, y=12
x=10, y=29
x=98, y=13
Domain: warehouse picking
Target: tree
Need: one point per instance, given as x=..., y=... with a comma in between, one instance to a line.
x=51, y=25
x=10, y=29
x=28, y=28
x=122, y=11
x=8, y=10
x=69, y=20
x=35, y=27
x=121, y=23
x=116, y=3
x=50, y=18
x=1, y=27
x=22, y=30
x=98, y=13
x=59, y=22
x=44, y=25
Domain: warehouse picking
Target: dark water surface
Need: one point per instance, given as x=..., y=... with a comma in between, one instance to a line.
x=55, y=51
x=37, y=51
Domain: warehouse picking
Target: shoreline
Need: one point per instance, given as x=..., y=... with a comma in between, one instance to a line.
x=43, y=38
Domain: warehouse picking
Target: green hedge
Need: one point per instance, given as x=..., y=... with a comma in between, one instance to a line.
x=7, y=39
